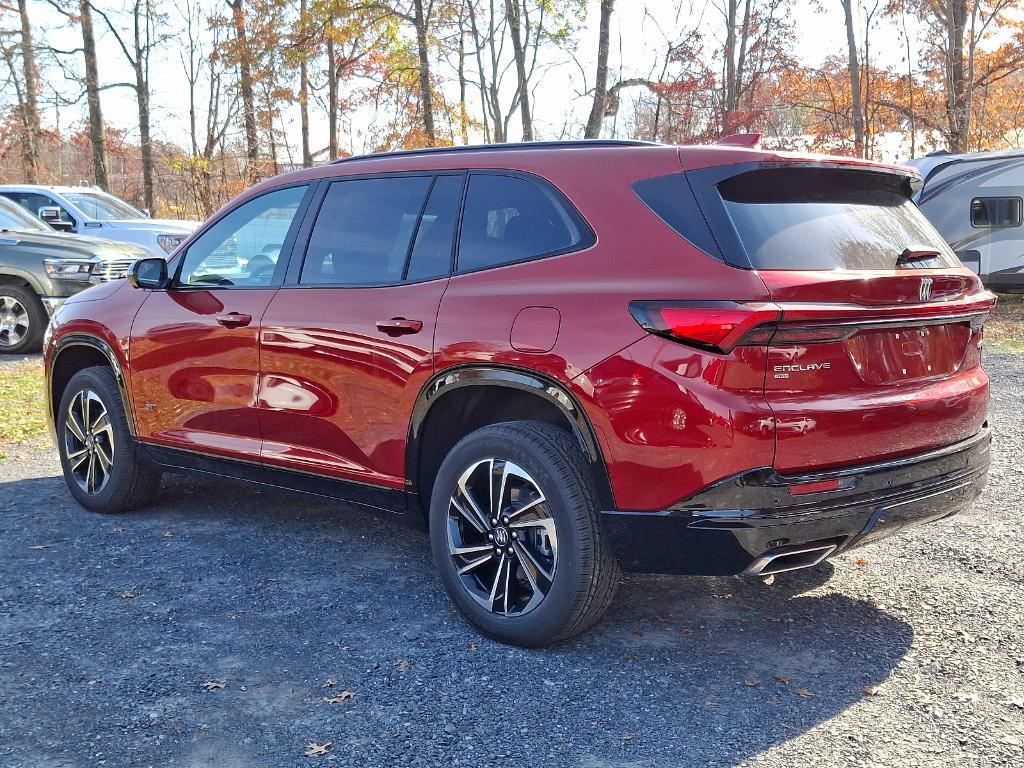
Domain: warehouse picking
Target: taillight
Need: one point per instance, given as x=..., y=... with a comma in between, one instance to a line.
x=718, y=326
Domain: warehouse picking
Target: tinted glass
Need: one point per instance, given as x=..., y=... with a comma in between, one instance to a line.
x=363, y=231
x=13, y=216
x=32, y=202
x=242, y=249
x=810, y=218
x=508, y=219
x=432, y=251
x=996, y=212
x=96, y=205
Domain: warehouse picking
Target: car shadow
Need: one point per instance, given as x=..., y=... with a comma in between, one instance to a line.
x=274, y=593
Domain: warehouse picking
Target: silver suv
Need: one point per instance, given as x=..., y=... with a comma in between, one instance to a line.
x=91, y=211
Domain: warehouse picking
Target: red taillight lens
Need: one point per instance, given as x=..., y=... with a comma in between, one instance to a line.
x=716, y=326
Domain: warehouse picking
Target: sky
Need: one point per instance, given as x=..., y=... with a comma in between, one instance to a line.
x=638, y=36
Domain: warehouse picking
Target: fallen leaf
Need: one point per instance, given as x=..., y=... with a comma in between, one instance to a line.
x=873, y=690
x=315, y=749
x=168, y=534
x=215, y=685
x=472, y=647
x=403, y=664
x=128, y=595
x=861, y=562
x=782, y=679
x=752, y=683
x=627, y=738
x=338, y=698
x=687, y=632
x=330, y=682
x=638, y=633
x=803, y=693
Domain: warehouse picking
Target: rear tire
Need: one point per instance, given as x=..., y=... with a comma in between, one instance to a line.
x=22, y=320
x=516, y=537
x=104, y=467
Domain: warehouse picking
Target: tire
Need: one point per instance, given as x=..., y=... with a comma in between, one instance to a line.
x=552, y=586
x=22, y=320
x=104, y=467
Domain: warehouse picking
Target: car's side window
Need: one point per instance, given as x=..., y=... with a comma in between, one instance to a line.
x=508, y=219
x=364, y=230
x=33, y=201
x=242, y=249
x=432, y=250
x=996, y=212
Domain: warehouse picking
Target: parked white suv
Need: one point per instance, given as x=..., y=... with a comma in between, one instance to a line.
x=91, y=211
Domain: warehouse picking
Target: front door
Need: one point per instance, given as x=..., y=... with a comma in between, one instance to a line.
x=348, y=342
x=194, y=349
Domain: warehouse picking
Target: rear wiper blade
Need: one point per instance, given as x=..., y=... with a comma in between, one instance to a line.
x=909, y=255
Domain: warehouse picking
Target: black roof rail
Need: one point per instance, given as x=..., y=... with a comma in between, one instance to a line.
x=501, y=147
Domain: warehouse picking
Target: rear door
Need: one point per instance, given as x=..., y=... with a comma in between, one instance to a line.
x=876, y=353
x=347, y=343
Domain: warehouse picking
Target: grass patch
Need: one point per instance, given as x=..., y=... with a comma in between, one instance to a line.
x=22, y=412
x=1005, y=329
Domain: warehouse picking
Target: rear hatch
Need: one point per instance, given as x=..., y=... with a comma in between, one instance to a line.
x=875, y=352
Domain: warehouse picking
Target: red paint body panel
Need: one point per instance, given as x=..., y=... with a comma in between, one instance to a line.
x=672, y=419
x=336, y=393
x=193, y=380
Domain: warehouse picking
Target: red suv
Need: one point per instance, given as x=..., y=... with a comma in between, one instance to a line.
x=561, y=358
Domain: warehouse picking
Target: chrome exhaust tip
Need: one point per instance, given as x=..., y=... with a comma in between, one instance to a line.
x=790, y=560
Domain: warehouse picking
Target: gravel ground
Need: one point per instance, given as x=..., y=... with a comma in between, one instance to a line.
x=906, y=653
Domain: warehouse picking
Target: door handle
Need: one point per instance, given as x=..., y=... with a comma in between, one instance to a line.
x=234, y=320
x=399, y=326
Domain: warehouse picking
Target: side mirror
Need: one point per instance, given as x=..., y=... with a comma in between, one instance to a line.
x=53, y=216
x=150, y=274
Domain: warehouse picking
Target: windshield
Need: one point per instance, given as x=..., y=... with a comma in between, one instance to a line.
x=829, y=219
x=13, y=216
x=97, y=205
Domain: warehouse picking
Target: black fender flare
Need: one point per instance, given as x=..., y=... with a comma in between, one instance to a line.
x=85, y=340
x=508, y=377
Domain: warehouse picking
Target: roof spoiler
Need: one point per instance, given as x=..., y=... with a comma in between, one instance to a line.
x=748, y=140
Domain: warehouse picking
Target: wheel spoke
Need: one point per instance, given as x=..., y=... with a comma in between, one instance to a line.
x=532, y=565
x=105, y=461
x=90, y=474
x=463, y=551
x=76, y=458
x=472, y=565
x=101, y=424
x=525, y=508
x=543, y=522
x=502, y=567
x=74, y=427
x=472, y=517
x=481, y=520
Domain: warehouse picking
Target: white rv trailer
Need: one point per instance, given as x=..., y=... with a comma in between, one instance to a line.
x=976, y=200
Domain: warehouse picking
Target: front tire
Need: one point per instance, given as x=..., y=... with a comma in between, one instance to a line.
x=22, y=320
x=103, y=466
x=515, y=534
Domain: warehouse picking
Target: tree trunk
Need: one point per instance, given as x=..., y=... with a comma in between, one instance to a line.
x=97, y=132
x=463, y=112
x=597, y=111
x=30, y=107
x=252, y=148
x=515, y=28
x=855, y=86
x=426, y=101
x=957, y=108
x=307, y=155
x=332, y=99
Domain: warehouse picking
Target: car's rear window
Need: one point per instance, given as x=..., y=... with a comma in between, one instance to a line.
x=815, y=218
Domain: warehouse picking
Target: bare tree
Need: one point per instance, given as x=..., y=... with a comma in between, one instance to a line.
x=856, y=91
x=28, y=101
x=597, y=111
x=137, y=45
x=516, y=29
x=244, y=60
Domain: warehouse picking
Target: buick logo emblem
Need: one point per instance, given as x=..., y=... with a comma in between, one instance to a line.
x=925, y=290
x=501, y=537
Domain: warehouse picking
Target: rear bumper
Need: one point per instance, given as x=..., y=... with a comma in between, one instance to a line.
x=752, y=523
